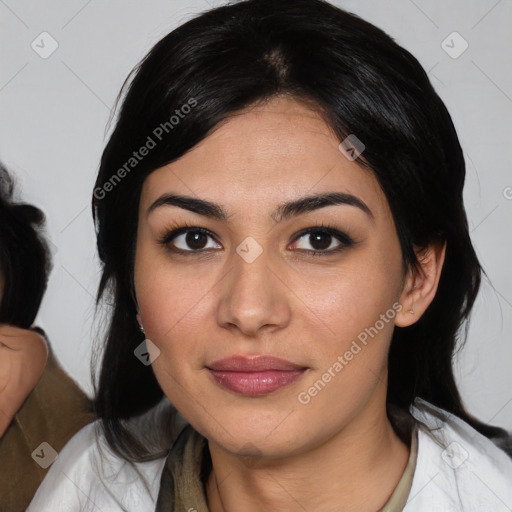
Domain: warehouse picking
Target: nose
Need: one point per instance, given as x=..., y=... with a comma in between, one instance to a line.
x=253, y=297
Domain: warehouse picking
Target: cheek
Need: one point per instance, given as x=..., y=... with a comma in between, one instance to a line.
x=171, y=307
x=354, y=298
x=351, y=358
x=356, y=304
x=174, y=301
x=168, y=293
x=5, y=367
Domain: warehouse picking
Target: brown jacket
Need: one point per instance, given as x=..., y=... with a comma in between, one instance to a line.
x=53, y=412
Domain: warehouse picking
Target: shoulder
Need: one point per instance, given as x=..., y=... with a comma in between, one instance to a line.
x=59, y=405
x=457, y=468
x=88, y=476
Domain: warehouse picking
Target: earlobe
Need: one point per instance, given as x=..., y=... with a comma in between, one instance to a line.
x=420, y=284
x=141, y=325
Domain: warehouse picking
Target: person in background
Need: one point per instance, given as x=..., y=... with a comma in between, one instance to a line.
x=39, y=402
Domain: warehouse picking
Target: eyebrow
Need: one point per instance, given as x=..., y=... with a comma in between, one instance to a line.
x=283, y=211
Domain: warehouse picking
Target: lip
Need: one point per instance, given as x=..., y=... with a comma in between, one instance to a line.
x=253, y=364
x=254, y=376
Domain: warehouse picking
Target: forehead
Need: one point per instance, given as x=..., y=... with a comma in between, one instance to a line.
x=272, y=152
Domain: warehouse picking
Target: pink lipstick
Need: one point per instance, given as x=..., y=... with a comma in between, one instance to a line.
x=254, y=376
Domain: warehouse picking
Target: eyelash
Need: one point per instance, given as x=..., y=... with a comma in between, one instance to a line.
x=174, y=231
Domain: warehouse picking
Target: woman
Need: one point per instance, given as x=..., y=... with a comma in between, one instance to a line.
x=279, y=210
x=39, y=403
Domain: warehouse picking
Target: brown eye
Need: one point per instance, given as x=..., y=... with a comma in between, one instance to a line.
x=195, y=240
x=322, y=240
x=188, y=239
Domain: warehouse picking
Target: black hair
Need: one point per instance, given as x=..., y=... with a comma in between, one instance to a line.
x=362, y=83
x=25, y=261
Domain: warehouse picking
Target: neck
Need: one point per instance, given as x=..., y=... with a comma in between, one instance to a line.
x=355, y=469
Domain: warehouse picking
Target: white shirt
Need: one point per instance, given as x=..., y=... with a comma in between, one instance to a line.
x=457, y=470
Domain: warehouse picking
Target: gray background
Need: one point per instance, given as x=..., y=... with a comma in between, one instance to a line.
x=54, y=113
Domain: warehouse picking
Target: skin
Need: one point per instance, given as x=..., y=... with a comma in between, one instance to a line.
x=338, y=452
x=23, y=357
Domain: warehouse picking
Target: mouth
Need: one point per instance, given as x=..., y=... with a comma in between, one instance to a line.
x=254, y=376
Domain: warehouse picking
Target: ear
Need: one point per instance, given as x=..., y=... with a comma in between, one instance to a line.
x=139, y=319
x=420, y=284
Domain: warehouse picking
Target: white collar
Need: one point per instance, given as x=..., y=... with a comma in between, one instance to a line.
x=457, y=469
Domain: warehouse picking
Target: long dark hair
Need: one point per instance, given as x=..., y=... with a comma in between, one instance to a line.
x=25, y=261
x=363, y=83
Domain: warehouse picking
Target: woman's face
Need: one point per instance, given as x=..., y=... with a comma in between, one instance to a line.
x=249, y=285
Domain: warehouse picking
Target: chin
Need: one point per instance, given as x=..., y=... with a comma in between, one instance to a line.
x=251, y=436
